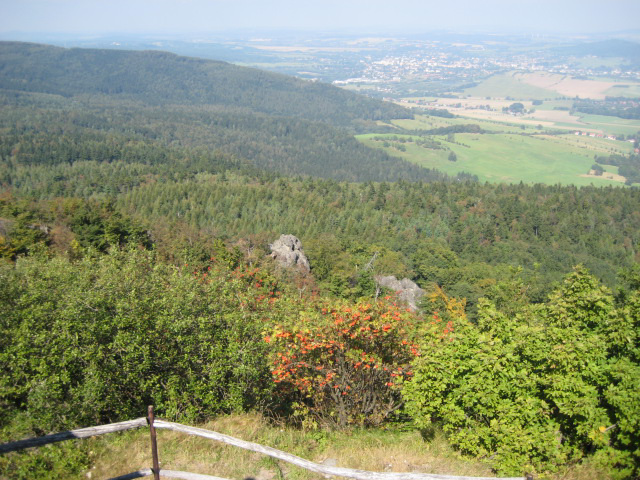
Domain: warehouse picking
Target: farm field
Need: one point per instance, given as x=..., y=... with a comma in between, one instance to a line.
x=611, y=125
x=551, y=114
x=566, y=85
x=553, y=94
x=508, y=157
x=547, y=86
x=524, y=147
x=425, y=122
x=510, y=85
x=623, y=90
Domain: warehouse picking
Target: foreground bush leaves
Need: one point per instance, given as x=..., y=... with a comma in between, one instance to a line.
x=99, y=339
x=539, y=388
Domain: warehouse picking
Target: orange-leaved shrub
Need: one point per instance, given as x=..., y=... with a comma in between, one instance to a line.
x=345, y=363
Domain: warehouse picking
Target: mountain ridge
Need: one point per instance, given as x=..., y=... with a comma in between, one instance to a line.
x=158, y=78
x=276, y=123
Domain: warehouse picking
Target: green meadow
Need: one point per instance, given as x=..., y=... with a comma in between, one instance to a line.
x=592, y=145
x=610, y=125
x=509, y=158
x=505, y=85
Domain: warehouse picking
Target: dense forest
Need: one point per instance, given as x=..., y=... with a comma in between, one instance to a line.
x=139, y=194
x=160, y=78
x=53, y=135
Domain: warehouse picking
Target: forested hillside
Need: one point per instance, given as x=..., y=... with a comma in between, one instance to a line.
x=49, y=135
x=139, y=194
x=59, y=101
x=463, y=236
x=160, y=78
x=101, y=317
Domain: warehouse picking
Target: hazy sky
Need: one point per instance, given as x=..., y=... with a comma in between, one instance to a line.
x=184, y=16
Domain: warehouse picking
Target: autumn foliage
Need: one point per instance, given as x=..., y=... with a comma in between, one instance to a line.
x=345, y=363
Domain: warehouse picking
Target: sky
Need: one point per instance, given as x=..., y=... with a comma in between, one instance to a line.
x=201, y=16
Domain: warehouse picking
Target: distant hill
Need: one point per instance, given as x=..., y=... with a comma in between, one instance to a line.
x=607, y=48
x=158, y=78
x=152, y=107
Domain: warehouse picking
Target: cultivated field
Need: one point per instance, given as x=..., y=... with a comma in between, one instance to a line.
x=547, y=86
x=508, y=85
x=510, y=157
x=501, y=124
x=624, y=90
x=566, y=85
x=554, y=114
x=524, y=147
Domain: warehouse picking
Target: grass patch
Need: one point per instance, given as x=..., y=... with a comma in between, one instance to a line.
x=509, y=158
x=509, y=85
x=390, y=450
x=610, y=125
x=374, y=449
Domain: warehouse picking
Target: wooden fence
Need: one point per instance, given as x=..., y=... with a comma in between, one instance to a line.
x=200, y=432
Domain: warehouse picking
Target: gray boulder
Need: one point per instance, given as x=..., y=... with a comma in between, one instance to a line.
x=407, y=290
x=288, y=252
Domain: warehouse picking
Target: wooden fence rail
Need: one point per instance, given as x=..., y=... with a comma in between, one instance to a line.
x=306, y=464
x=201, y=432
x=71, y=434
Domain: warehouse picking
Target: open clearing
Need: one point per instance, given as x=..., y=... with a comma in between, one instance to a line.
x=383, y=450
x=509, y=158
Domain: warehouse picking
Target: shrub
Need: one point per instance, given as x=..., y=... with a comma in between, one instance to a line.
x=344, y=363
x=99, y=339
x=540, y=386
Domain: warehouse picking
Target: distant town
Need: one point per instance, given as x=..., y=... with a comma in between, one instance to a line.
x=437, y=61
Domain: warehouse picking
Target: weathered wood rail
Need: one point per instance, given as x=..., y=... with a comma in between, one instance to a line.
x=70, y=435
x=219, y=437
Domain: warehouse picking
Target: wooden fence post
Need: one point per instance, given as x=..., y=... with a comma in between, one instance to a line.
x=154, y=445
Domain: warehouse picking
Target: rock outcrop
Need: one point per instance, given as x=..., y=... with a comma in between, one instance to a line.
x=287, y=251
x=407, y=290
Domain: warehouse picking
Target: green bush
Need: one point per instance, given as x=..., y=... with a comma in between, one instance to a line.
x=99, y=339
x=539, y=387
